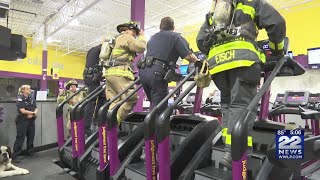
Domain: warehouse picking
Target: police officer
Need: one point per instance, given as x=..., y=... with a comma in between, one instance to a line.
x=234, y=58
x=118, y=72
x=71, y=88
x=163, y=48
x=92, y=82
x=25, y=121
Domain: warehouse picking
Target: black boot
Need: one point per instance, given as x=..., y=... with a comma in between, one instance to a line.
x=226, y=160
x=16, y=159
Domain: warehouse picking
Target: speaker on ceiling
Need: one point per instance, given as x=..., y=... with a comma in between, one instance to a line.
x=19, y=45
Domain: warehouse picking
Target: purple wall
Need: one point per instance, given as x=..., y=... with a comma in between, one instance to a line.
x=302, y=59
x=33, y=76
x=137, y=14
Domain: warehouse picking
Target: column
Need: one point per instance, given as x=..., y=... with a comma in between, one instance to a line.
x=44, y=81
x=138, y=15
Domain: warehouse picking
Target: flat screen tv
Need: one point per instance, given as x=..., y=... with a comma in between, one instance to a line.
x=314, y=58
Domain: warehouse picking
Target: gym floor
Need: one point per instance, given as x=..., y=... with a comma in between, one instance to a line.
x=41, y=167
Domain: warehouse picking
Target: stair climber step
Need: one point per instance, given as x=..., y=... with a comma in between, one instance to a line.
x=136, y=171
x=211, y=172
x=95, y=153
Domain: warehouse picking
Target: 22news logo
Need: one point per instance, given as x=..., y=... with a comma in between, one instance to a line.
x=290, y=144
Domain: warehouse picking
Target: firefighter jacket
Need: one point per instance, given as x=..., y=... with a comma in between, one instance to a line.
x=123, y=53
x=241, y=50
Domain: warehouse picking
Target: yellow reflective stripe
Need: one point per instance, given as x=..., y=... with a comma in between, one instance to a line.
x=279, y=45
x=237, y=45
x=224, y=131
x=249, y=141
x=141, y=38
x=272, y=45
x=228, y=140
x=118, y=72
x=118, y=51
x=246, y=9
x=231, y=65
x=210, y=21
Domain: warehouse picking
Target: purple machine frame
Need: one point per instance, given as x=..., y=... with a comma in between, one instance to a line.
x=103, y=147
x=78, y=138
x=164, y=145
x=150, y=151
x=60, y=131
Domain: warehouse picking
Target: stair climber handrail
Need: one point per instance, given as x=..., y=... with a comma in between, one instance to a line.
x=149, y=131
x=77, y=126
x=163, y=131
x=239, y=132
x=112, y=131
x=59, y=117
x=102, y=114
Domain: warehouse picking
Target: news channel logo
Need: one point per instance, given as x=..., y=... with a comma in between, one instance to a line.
x=290, y=144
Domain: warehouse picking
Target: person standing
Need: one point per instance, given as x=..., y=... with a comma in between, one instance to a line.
x=25, y=122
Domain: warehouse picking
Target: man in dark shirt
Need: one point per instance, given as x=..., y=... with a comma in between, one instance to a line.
x=163, y=48
x=92, y=60
x=25, y=122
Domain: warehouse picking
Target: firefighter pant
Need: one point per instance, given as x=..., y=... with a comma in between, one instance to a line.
x=238, y=88
x=25, y=128
x=115, y=85
x=154, y=85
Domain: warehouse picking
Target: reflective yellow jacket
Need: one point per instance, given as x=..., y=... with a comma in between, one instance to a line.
x=241, y=51
x=125, y=49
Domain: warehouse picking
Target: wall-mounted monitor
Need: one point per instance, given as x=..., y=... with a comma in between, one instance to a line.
x=314, y=58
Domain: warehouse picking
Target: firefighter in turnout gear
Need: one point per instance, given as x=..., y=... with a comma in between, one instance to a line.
x=234, y=57
x=118, y=73
x=71, y=88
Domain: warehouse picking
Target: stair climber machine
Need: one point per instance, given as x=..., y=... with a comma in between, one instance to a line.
x=99, y=161
x=184, y=135
x=246, y=165
x=129, y=159
x=307, y=168
x=75, y=146
x=298, y=102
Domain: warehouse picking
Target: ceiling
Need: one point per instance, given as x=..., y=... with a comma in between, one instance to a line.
x=74, y=26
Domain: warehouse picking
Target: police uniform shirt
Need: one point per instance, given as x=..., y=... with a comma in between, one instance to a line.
x=27, y=103
x=168, y=46
x=92, y=58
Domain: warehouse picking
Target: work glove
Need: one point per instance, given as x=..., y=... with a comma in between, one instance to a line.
x=202, y=77
x=199, y=64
